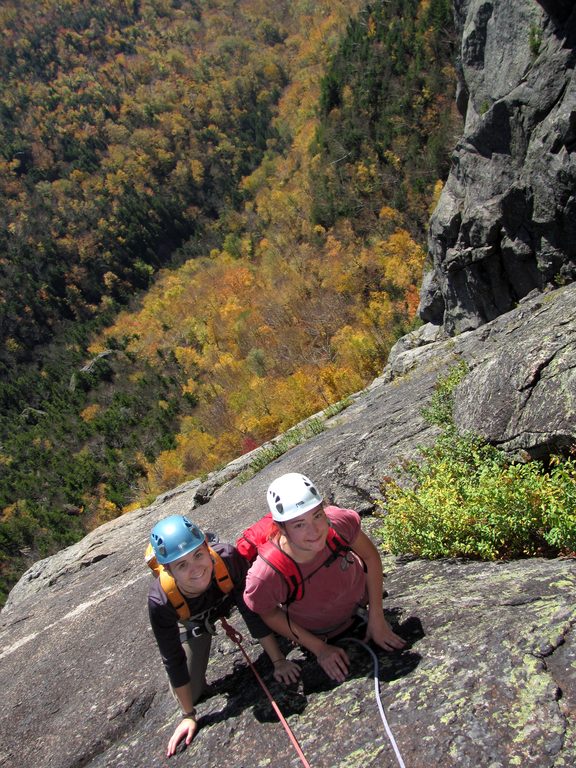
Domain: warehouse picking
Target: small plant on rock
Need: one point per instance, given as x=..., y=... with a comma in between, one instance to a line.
x=535, y=40
x=466, y=498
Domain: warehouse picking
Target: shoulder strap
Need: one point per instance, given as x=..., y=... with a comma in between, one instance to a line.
x=286, y=566
x=340, y=546
x=337, y=543
x=173, y=594
x=221, y=573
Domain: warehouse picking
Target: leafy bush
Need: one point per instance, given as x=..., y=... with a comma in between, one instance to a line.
x=468, y=499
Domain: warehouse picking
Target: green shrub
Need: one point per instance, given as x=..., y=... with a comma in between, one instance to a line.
x=535, y=40
x=467, y=499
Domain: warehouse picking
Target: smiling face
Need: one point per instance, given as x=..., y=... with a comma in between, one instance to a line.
x=306, y=535
x=193, y=572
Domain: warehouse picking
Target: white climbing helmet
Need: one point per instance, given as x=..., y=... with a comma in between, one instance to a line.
x=292, y=495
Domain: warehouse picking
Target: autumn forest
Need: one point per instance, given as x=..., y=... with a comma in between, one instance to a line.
x=212, y=225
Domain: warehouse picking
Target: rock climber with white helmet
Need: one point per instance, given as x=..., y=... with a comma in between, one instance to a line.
x=337, y=582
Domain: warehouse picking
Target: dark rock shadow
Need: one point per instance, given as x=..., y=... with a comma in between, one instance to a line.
x=242, y=689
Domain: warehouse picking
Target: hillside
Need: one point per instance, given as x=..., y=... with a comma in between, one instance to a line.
x=489, y=675
x=177, y=284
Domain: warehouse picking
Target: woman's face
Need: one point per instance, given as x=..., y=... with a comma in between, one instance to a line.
x=307, y=533
x=193, y=572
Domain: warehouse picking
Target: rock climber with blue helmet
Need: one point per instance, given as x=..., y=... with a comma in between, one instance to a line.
x=336, y=588
x=180, y=547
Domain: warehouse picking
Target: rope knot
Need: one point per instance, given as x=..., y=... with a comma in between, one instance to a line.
x=232, y=633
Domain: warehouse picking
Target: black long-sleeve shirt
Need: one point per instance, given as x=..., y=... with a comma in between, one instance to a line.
x=211, y=604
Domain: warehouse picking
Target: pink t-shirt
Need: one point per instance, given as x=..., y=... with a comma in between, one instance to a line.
x=331, y=594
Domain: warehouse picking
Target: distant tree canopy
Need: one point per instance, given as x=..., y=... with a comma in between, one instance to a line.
x=126, y=129
x=388, y=116
x=187, y=265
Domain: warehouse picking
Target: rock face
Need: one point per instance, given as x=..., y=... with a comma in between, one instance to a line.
x=521, y=391
x=489, y=679
x=506, y=220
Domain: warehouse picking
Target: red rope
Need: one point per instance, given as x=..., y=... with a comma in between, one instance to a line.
x=236, y=637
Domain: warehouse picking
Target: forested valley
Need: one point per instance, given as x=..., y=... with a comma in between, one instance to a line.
x=212, y=225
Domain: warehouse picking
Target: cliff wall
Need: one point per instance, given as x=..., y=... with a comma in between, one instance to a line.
x=506, y=220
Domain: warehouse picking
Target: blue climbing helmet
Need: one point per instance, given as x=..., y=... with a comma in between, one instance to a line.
x=174, y=537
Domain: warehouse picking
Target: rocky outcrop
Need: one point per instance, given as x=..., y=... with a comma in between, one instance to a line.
x=506, y=220
x=489, y=679
x=521, y=391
